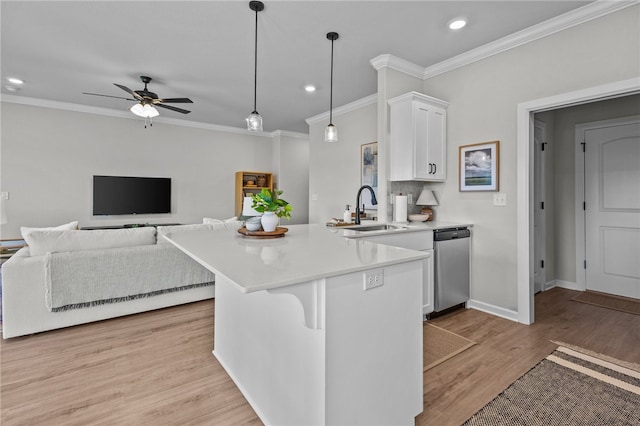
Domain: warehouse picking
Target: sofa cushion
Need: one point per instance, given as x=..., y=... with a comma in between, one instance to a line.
x=66, y=227
x=231, y=223
x=179, y=229
x=52, y=241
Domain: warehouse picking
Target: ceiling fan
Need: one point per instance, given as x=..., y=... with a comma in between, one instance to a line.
x=147, y=101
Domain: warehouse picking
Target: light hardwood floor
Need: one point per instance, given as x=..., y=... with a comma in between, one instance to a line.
x=157, y=367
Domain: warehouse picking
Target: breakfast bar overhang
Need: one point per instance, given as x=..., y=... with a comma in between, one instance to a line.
x=314, y=328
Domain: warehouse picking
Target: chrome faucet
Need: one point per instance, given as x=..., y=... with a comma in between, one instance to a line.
x=373, y=201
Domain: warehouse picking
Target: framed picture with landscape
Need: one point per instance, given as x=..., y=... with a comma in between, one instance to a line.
x=479, y=166
x=369, y=170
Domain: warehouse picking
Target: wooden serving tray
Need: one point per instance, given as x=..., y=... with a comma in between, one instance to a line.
x=278, y=233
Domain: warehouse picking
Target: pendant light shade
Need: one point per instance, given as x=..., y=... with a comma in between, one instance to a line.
x=254, y=120
x=331, y=133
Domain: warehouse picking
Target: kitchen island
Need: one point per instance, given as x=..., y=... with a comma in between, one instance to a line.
x=315, y=328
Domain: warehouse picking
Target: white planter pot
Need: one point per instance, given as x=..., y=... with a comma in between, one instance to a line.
x=269, y=221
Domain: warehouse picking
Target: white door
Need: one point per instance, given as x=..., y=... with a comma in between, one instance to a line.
x=612, y=213
x=539, y=224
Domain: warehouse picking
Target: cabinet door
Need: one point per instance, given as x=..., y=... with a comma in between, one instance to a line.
x=436, y=154
x=422, y=166
x=429, y=142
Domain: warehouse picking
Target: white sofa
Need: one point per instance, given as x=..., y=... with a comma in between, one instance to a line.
x=70, y=277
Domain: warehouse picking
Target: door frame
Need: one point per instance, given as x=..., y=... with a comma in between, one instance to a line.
x=539, y=186
x=525, y=177
x=581, y=272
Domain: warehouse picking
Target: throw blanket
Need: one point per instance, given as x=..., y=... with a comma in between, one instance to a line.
x=93, y=277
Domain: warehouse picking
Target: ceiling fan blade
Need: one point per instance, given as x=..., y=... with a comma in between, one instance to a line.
x=129, y=91
x=108, y=96
x=172, y=108
x=176, y=100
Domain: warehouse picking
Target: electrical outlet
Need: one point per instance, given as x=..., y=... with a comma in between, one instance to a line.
x=4, y=195
x=373, y=278
x=500, y=199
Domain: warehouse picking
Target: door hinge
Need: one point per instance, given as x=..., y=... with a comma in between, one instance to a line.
x=542, y=145
x=584, y=205
x=542, y=263
x=541, y=205
x=585, y=264
x=584, y=146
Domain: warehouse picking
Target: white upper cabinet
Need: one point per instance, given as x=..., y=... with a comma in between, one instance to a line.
x=417, y=143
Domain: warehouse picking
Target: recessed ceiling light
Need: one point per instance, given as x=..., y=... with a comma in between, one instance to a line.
x=310, y=88
x=14, y=80
x=457, y=23
x=11, y=88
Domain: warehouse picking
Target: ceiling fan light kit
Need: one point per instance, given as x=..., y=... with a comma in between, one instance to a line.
x=331, y=133
x=144, y=111
x=254, y=120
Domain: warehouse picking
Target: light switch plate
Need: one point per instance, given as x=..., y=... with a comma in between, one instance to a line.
x=500, y=199
x=4, y=195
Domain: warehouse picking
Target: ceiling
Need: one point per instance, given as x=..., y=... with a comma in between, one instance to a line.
x=203, y=50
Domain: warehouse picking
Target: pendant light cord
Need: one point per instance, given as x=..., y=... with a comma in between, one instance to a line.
x=331, y=91
x=255, y=67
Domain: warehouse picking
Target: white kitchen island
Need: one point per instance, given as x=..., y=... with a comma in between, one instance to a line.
x=303, y=339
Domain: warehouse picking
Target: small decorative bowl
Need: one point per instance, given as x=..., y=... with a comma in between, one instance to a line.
x=253, y=224
x=418, y=217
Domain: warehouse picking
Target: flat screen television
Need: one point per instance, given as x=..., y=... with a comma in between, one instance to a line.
x=121, y=195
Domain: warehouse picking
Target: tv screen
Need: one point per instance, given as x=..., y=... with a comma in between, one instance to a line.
x=120, y=195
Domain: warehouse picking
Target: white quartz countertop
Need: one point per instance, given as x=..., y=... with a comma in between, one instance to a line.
x=306, y=253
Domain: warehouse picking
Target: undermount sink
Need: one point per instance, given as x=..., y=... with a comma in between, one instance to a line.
x=371, y=228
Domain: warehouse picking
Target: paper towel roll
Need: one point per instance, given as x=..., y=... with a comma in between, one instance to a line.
x=400, y=211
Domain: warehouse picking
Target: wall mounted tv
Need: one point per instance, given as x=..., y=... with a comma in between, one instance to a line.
x=121, y=195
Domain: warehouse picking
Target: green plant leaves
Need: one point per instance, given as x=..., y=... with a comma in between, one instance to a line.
x=268, y=201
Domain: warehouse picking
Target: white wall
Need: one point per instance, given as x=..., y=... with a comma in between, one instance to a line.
x=483, y=100
x=291, y=167
x=50, y=155
x=334, y=168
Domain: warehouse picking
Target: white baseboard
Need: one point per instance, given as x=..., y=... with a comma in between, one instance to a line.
x=493, y=310
x=568, y=285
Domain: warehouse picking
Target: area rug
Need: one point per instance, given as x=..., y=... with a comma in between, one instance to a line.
x=610, y=301
x=440, y=345
x=569, y=387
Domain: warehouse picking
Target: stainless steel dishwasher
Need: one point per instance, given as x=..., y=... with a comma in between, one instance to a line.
x=451, y=267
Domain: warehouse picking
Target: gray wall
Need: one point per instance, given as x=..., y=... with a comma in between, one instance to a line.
x=49, y=157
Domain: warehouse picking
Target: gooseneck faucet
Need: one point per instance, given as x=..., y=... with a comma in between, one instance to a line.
x=373, y=201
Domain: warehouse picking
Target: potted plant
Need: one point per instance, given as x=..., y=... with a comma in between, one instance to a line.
x=272, y=207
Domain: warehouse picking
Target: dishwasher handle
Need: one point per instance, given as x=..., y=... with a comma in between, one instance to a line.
x=451, y=234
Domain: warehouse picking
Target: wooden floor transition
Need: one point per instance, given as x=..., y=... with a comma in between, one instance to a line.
x=157, y=368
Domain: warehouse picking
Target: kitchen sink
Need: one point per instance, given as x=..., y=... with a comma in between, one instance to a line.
x=371, y=228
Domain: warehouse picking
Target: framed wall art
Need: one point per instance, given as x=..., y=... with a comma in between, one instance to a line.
x=479, y=166
x=369, y=170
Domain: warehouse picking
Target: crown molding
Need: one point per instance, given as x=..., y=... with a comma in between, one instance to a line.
x=398, y=64
x=352, y=106
x=288, y=134
x=591, y=11
x=44, y=103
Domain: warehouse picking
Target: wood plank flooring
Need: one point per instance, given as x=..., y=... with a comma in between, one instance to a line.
x=157, y=367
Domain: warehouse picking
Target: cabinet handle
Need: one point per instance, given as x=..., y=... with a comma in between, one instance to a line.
x=435, y=167
x=430, y=168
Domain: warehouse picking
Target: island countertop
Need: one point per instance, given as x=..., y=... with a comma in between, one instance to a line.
x=307, y=252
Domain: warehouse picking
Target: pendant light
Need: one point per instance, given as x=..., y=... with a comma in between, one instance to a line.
x=331, y=133
x=254, y=120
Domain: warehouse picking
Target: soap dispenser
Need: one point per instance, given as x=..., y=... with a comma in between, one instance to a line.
x=347, y=215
